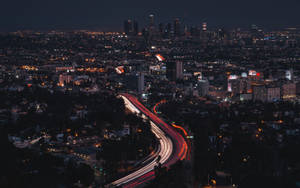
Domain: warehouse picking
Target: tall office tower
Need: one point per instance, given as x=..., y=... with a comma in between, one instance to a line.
x=288, y=90
x=204, y=26
x=222, y=33
x=141, y=82
x=128, y=27
x=174, y=70
x=179, y=70
x=195, y=32
x=167, y=30
x=135, y=28
x=233, y=86
x=259, y=93
x=171, y=71
x=65, y=79
x=273, y=94
x=254, y=28
x=255, y=31
x=161, y=28
x=177, y=28
x=151, y=27
x=203, y=87
x=151, y=20
x=186, y=31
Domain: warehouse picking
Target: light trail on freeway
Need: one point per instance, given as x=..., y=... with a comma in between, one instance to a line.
x=176, y=126
x=173, y=147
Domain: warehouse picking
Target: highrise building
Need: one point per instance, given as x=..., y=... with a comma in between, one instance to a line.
x=186, y=31
x=259, y=93
x=167, y=31
x=151, y=20
x=161, y=28
x=141, y=82
x=273, y=94
x=203, y=87
x=254, y=28
x=195, y=31
x=151, y=27
x=204, y=26
x=135, y=28
x=234, y=86
x=131, y=27
x=128, y=27
x=288, y=90
x=146, y=33
x=177, y=31
x=179, y=70
x=65, y=79
x=174, y=70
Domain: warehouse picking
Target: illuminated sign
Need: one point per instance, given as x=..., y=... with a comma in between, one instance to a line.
x=120, y=69
x=229, y=89
x=159, y=57
x=232, y=77
x=244, y=75
x=252, y=72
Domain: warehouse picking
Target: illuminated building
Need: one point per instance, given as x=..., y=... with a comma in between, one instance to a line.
x=204, y=26
x=179, y=70
x=167, y=30
x=151, y=20
x=234, y=86
x=161, y=29
x=254, y=30
x=151, y=25
x=288, y=91
x=254, y=27
x=266, y=93
x=203, y=87
x=135, y=81
x=128, y=27
x=64, y=69
x=273, y=94
x=245, y=97
x=186, y=31
x=120, y=70
x=141, y=82
x=64, y=79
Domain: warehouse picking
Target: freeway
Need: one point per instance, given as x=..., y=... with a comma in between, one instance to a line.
x=173, y=146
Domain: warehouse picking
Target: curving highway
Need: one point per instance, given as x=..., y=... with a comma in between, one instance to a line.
x=173, y=147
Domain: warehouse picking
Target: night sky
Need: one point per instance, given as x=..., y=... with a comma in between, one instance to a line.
x=110, y=14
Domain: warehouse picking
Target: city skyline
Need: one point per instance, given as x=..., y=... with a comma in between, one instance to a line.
x=152, y=94
x=46, y=15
